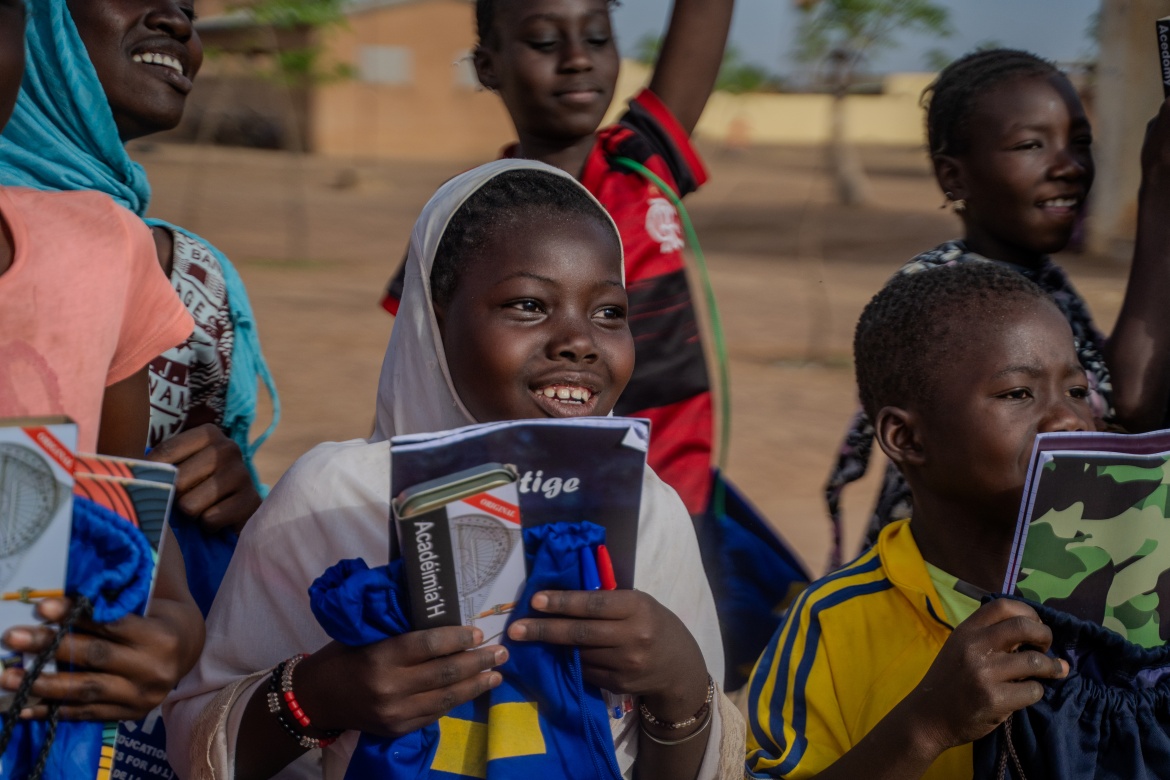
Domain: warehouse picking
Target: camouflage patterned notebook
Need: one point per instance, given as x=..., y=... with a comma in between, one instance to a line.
x=1093, y=536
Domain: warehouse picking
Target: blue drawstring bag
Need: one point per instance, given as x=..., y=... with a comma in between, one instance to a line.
x=544, y=720
x=205, y=557
x=1108, y=719
x=753, y=576
x=110, y=569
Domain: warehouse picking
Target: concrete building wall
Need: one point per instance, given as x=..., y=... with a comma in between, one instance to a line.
x=893, y=117
x=426, y=105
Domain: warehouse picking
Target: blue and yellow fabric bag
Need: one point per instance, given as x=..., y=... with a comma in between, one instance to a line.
x=543, y=721
x=110, y=567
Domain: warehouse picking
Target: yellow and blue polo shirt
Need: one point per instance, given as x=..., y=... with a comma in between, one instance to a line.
x=853, y=646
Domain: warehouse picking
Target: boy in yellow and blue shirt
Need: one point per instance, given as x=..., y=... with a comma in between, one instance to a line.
x=889, y=668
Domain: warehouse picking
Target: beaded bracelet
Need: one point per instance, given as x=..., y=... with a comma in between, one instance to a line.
x=687, y=738
x=682, y=724
x=280, y=696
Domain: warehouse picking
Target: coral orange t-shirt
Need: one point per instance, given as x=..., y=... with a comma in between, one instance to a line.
x=84, y=305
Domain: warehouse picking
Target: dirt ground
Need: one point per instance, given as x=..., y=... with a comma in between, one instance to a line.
x=316, y=240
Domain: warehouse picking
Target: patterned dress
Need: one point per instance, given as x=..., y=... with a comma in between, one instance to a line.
x=893, y=501
x=188, y=384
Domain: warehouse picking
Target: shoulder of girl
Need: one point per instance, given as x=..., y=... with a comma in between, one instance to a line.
x=330, y=476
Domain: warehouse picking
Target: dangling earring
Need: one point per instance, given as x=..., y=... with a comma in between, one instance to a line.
x=959, y=204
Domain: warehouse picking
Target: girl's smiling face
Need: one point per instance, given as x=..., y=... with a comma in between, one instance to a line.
x=1026, y=171
x=536, y=326
x=554, y=63
x=146, y=54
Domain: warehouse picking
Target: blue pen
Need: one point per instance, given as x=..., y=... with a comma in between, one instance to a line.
x=590, y=578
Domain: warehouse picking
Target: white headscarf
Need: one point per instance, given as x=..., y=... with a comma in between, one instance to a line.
x=334, y=503
x=415, y=393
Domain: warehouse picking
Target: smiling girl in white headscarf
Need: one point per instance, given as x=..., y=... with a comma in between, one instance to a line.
x=514, y=287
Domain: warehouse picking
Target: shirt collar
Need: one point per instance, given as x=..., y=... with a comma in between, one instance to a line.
x=906, y=569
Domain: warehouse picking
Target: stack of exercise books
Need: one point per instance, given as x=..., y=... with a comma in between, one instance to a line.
x=36, y=514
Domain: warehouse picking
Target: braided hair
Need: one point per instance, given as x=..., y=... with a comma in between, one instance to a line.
x=507, y=202
x=916, y=321
x=485, y=16
x=951, y=98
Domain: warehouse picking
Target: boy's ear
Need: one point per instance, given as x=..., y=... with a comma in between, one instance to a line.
x=949, y=173
x=896, y=431
x=485, y=68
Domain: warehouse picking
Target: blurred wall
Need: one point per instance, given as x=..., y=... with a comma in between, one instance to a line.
x=414, y=94
x=893, y=117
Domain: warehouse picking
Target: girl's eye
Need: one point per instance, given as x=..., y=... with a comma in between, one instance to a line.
x=543, y=45
x=526, y=305
x=598, y=41
x=189, y=12
x=1084, y=140
x=1026, y=146
x=1079, y=393
x=612, y=313
x=1017, y=394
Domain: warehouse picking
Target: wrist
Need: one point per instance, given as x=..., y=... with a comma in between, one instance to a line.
x=919, y=733
x=310, y=681
x=681, y=711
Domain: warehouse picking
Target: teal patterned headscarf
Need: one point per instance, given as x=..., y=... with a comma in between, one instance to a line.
x=62, y=136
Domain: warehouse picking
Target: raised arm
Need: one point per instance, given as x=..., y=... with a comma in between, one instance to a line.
x=1138, y=350
x=690, y=58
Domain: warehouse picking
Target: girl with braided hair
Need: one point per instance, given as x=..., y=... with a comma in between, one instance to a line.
x=1011, y=147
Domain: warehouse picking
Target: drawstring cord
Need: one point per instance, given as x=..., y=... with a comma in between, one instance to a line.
x=81, y=608
x=718, y=341
x=1006, y=750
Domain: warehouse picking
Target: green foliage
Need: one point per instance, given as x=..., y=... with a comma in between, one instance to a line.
x=647, y=48
x=850, y=30
x=295, y=13
x=304, y=65
x=301, y=65
x=938, y=58
x=735, y=74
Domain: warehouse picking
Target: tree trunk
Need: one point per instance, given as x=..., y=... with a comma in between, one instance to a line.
x=849, y=177
x=1126, y=96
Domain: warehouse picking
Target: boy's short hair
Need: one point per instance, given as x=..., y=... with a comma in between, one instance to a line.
x=500, y=204
x=950, y=98
x=907, y=331
x=485, y=15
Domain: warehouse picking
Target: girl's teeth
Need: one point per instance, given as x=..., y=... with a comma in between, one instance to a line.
x=575, y=394
x=165, y=60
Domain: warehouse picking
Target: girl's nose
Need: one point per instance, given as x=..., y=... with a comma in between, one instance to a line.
x=1069, y=164
x=168, y=17
x=1067, y=415
x=575, y=58
x=573, y=341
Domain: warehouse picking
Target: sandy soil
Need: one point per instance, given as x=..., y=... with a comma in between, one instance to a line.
x=316, y=240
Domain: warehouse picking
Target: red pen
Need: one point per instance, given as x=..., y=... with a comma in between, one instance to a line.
x=605, y=569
